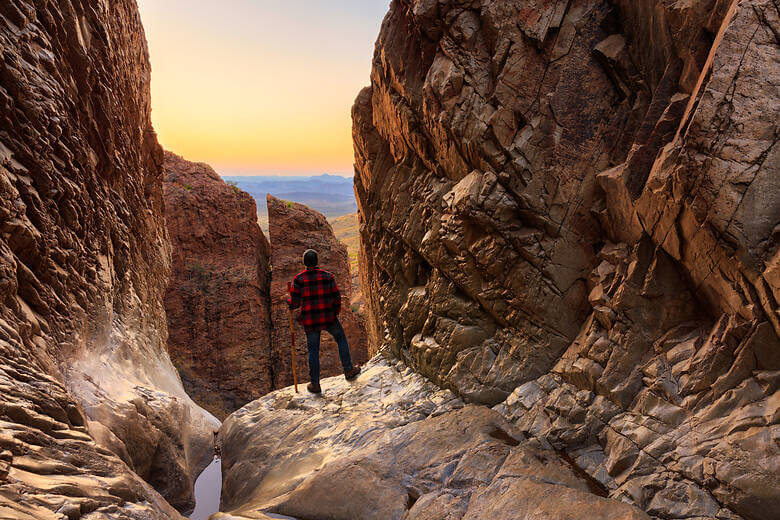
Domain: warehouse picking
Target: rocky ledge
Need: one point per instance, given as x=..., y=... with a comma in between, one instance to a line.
x=392, y=445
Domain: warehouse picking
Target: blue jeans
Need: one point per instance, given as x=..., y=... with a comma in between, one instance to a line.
x=313, y=344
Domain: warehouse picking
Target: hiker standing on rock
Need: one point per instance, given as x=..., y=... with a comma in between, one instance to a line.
x=314, y=290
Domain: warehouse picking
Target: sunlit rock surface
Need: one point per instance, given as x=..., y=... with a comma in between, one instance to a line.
x=217, y=301
x=88, y=393
x=294, y=228
x=392, y=445
x=573, y=207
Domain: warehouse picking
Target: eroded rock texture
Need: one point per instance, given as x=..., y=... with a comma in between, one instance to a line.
x=217, y=300
x=392, y=445
x=87, y=390
x=582, y=198
x=294, y=228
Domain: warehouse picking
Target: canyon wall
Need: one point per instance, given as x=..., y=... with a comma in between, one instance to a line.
x=570, y=210
x=217, y=300
x=294, y=228
x=88, y=393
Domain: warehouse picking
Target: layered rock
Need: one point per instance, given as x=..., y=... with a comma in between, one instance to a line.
x=575, y=204
x=217, y=300
x=392, y=445
x=663, y=407
x=88, y=393
x=294, y=228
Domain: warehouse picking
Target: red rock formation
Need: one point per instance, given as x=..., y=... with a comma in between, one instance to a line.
x=84, y=370
x=576, y=205
x=217, y=299
x=294, y=228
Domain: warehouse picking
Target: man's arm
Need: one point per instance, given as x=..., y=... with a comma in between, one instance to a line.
x=294, y=300
x=336, y=296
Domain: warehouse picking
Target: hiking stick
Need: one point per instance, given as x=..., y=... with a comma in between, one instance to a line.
x=292, y=343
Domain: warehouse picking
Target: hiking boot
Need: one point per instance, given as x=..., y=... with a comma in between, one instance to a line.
x=314, y=389
x=352, y=374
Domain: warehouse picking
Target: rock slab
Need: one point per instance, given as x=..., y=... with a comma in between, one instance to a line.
x=391, y=445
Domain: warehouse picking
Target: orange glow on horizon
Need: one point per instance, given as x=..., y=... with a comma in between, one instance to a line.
x=254, y=86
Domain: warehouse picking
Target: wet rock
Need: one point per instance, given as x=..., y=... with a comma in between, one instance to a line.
x=84, y=259
x=217, y=301
x=294, y=228
x=392, y=445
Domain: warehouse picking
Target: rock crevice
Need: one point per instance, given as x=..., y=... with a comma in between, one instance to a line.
x=230, y=335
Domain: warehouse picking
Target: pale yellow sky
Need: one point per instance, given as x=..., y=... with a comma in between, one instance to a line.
x=257, y=86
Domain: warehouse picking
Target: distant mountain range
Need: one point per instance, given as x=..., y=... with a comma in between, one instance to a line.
x=331, y=195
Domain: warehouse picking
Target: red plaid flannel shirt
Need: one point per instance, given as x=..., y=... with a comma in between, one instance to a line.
x=316, y=293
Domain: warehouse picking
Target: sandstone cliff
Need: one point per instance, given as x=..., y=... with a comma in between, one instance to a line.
x=575, y=205
x=85, y=379
x=217, y=300
x=294, y=228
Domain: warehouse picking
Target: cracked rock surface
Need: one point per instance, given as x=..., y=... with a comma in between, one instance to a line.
x=89, y=400
x=392, y=445
x=570, y=211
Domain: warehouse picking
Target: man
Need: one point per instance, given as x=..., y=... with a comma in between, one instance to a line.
x=316, y=293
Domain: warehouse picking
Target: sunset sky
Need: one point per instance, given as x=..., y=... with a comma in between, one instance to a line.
x=258, y=86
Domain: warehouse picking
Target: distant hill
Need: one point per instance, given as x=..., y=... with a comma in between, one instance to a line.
x=346, y=230
x=331, y=195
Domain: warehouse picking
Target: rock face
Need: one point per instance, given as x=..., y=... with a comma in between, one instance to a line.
x=217, y=300
x=294, y=228
x=87, y=390
x=573, y=207
x=391, y=446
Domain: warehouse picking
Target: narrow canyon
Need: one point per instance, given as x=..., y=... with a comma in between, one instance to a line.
x=569, y=225
x=228, y=322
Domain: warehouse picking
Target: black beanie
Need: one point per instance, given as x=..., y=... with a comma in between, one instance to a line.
x=310, y=258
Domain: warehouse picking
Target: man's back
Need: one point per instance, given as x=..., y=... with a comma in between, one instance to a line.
x=315, y=291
